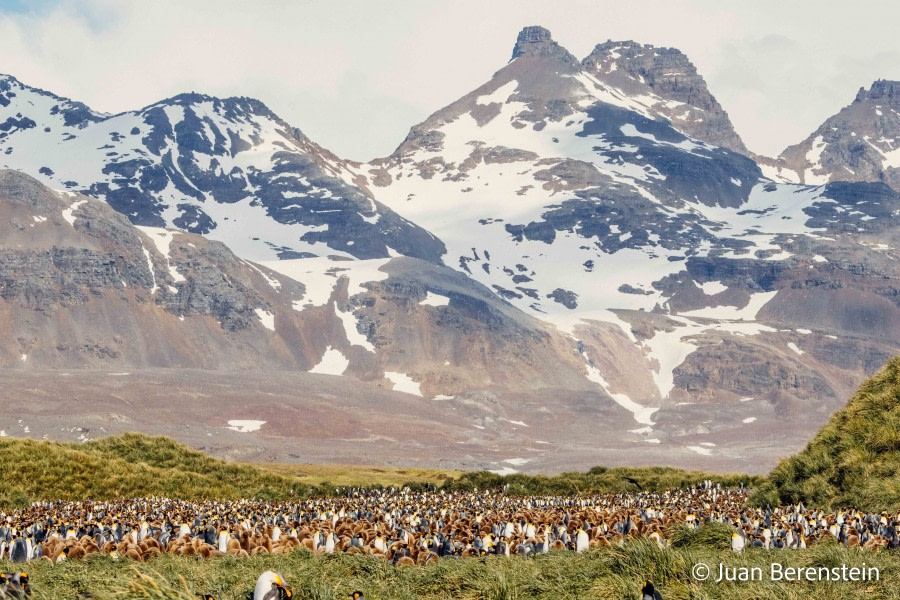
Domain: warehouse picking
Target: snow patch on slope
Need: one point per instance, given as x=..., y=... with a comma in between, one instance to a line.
x=435, y=300
x=162, y=238
x=403, y=383
x=333, y=362
x=245, y=426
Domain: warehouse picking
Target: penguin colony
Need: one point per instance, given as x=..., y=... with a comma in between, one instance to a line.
x=415, y=528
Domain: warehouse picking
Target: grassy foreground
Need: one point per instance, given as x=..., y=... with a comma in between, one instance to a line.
x=854, y=460
x=606, y=573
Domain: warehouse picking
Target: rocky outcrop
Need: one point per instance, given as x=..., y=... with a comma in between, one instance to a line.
x=678, y=93
x=536, y=41
x=860, y=143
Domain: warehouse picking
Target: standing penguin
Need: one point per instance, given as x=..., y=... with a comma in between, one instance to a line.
x=18, y=551
x=582, y=542
x=737, y=542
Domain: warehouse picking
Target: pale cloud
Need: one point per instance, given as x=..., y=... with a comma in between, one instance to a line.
x=355, y=75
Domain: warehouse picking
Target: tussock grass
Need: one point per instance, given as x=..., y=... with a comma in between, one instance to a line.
x=331, y=475
x=129, y=465
x=711, y=535
x=854, y=460
x=599, y=480
x=605, y=573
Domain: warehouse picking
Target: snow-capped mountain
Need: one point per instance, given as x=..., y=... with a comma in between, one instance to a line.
x=229, y=169
x=658, y=253
x=579, y=252
x=860, y=143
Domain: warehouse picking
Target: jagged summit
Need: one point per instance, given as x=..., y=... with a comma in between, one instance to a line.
x=882, y=90
x=643, y=69
x=537, y=41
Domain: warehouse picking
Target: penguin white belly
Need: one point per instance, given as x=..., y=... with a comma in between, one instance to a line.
x=264, y=585
x=581, y=541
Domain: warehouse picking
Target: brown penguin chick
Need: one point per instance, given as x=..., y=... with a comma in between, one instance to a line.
x=405, y=561
x=133, y=554
x=90, y=547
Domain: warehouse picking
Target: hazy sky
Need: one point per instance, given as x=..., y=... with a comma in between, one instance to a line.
x=354, y=75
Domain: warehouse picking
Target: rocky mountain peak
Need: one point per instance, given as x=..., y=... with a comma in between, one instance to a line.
x=883, y=91
x=537, y=41
x=859, y=143
x=643, y=69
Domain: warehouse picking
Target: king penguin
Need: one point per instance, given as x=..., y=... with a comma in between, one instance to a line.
x=271, y=586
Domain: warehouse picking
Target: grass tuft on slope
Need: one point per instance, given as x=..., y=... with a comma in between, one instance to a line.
x=854, y=460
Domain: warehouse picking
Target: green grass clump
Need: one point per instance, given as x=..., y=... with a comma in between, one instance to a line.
x=710, y=535
x=854, y=460
x=127, y=466
x=605, y=573
x=599, y=480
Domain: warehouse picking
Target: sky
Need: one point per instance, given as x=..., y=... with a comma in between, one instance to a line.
x=355, y=75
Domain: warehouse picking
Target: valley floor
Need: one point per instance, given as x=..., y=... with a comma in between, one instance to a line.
x=295, y=417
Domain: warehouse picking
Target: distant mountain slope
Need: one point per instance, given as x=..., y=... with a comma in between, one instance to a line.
x=859, y=143
x=854, y=461
x=227, y=168
x=80, y=286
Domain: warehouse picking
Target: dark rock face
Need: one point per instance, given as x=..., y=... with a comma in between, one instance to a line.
x=706, y=173
x=44, y=278
x=536, y=41
x=83, y=286
x=669, y=74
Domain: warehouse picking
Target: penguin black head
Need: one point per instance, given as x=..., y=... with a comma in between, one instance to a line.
x=648, y=592
x=205, y=596
x=357, y=595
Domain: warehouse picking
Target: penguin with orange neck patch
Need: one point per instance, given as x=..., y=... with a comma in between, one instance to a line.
x=271, y=586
